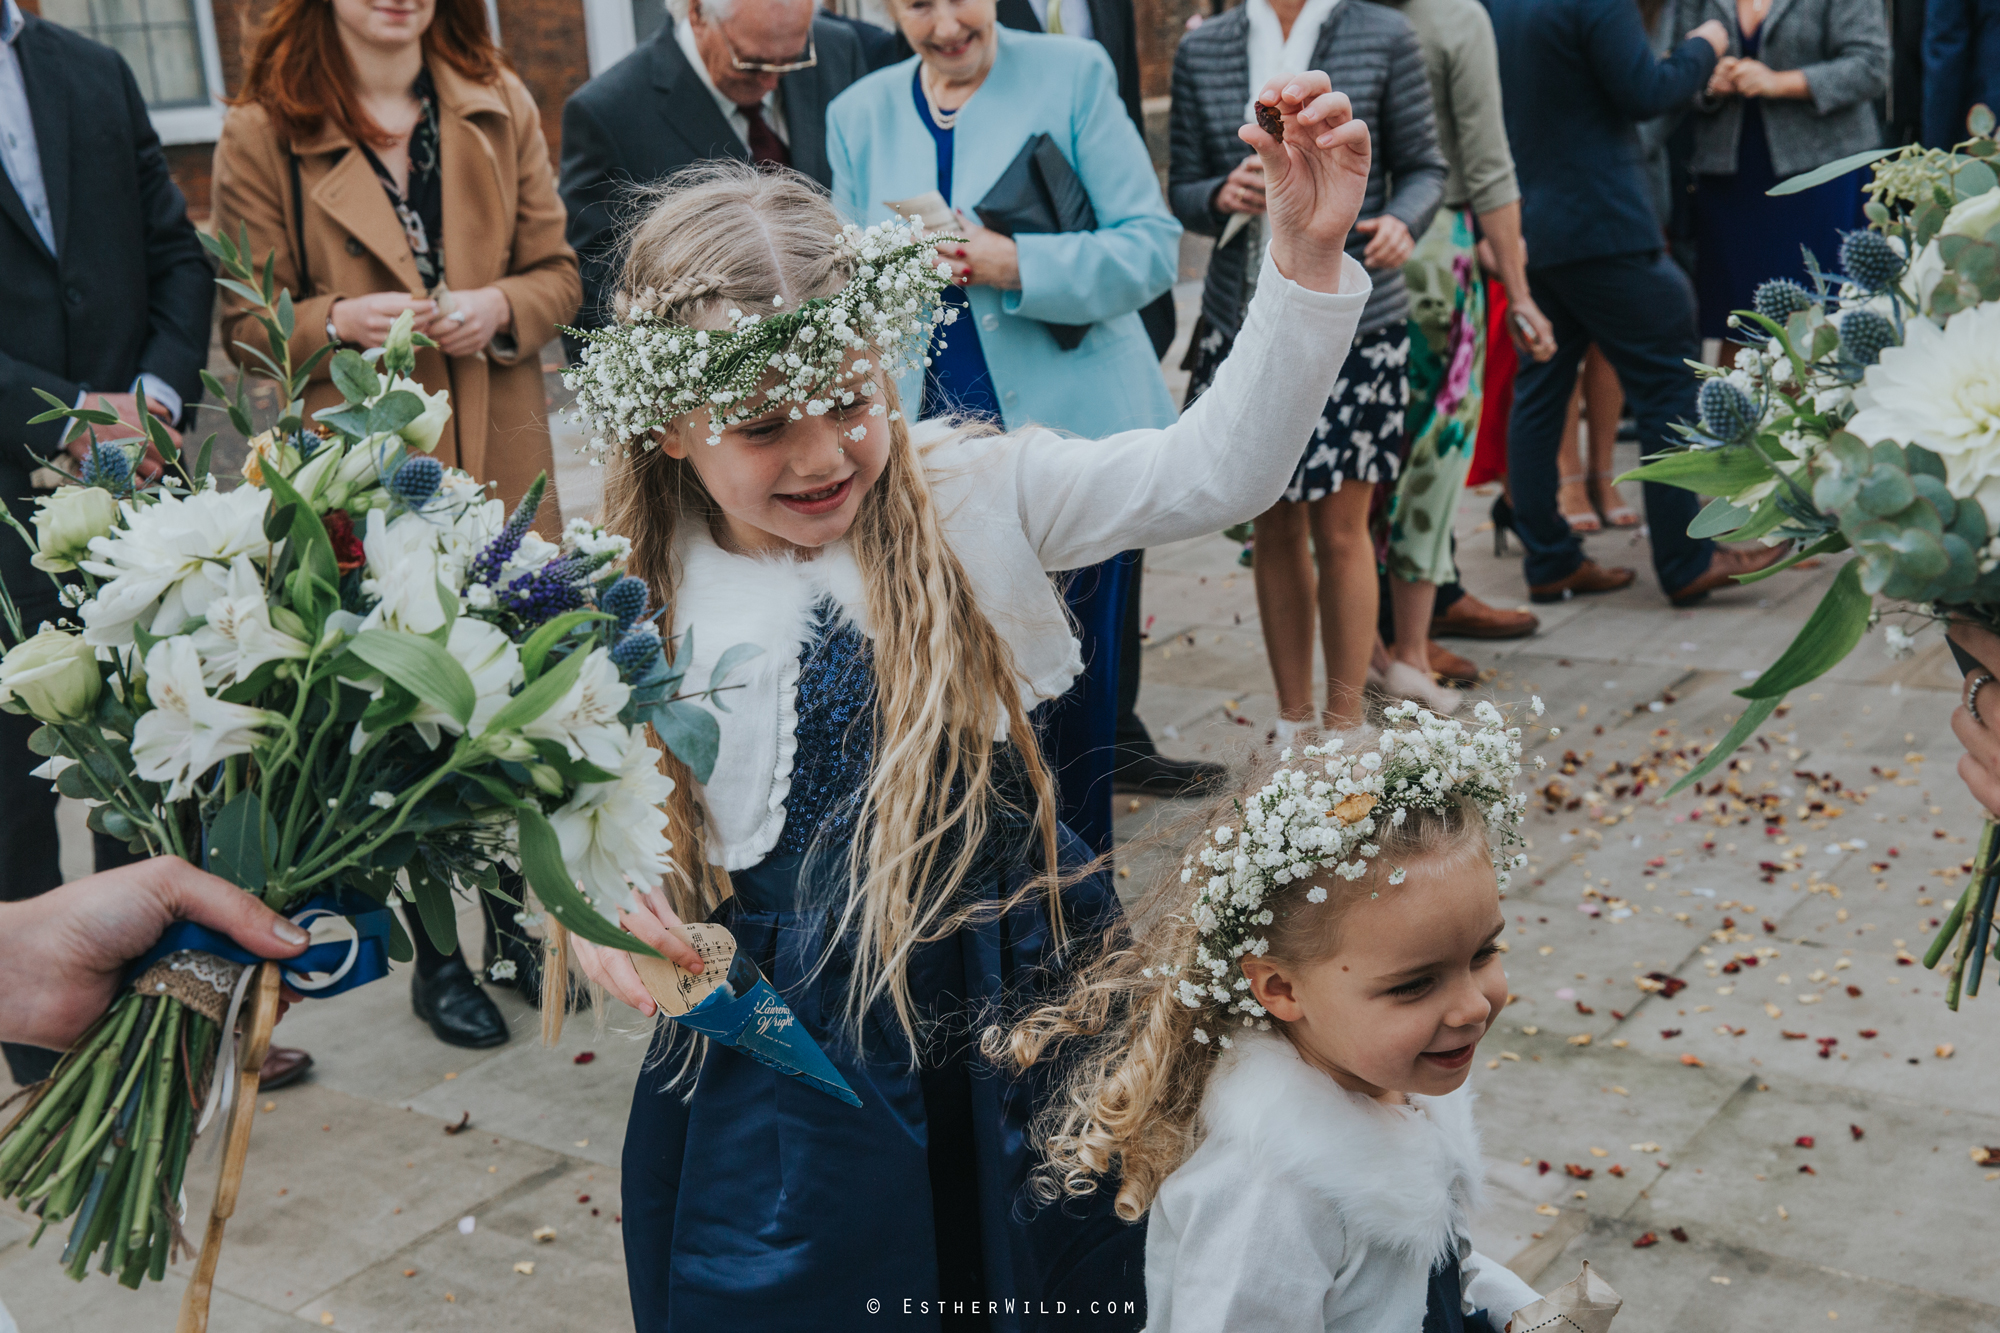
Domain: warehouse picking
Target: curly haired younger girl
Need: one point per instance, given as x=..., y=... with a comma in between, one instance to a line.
x=878, y=832
x=1272, y=1071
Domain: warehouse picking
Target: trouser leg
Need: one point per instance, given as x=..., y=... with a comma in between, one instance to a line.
x=1534, y=435
x=1133, y=738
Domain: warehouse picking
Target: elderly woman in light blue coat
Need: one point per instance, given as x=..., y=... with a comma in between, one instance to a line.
x=952, y=119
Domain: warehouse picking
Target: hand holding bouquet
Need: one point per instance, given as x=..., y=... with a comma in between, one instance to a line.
x=1865, y=416
x=351, y=678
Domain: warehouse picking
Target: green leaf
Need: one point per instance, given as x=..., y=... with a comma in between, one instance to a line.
x=391, y=710
x=421, y=667
x=244, y=290
x=349, y=421
x=308, y=533
x=395, y=411
x=1980, y=120
x=1973, y=178
x=536, y=650
x=542, y=863
x=539, y=697
x=1833, y=170
x=401, y=950
x=435, y=910
x=204, y=459
x=691, y=732
x=1717, y=519
x=238, y=839
x=1704, y=471
x=46, y=742
x=1836, y=625
x=285, y=311
x=354, y=377
x=1746, y=726
x=728, y=662
x=156, y=432
x=278, y=520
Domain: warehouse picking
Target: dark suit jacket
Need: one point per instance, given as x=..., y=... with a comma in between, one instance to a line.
x=650, y=115
x=1578, y=76
x=129, y=289
x=880, y=47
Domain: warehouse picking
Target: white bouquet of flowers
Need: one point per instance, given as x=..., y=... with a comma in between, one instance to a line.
x=349, y=679
x=1865, y=416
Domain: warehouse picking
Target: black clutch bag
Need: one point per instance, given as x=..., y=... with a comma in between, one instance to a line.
x=1039, y=192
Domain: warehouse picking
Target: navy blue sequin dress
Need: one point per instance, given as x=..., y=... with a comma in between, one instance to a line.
x=764, y=1204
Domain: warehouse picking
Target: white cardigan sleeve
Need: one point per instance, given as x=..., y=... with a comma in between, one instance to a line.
x=1493, y=1287
x=1261, y=1253
x=1227, y=458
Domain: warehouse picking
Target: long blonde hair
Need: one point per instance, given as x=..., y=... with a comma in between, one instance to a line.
x=728, y=236
x=1133, y=1074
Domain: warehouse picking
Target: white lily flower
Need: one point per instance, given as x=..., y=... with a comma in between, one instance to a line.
x=239, y=636
x=613, y=834
x=186, y=732
x=405, y=566
x=585, y=719
x=494, y=664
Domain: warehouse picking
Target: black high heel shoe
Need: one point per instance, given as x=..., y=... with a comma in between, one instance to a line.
x=1503, y=523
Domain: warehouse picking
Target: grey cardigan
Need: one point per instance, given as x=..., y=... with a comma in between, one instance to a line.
x=1371, y=54
x=1841, y=46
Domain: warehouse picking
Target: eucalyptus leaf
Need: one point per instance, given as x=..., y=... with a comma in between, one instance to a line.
x=691, y=732
x=355, y=378
x=1718, y=518
x=1833, y=170
x=729, y=661
x=1974, y=178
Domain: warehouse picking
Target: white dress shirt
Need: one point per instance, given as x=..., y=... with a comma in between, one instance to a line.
x=1075, y=15
x=774, y=108
x=21, y=154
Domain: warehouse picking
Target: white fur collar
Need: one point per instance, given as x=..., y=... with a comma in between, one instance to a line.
x=1406, y=1179
x=765, y=600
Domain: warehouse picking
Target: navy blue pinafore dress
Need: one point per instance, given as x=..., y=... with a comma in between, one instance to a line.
x=761, y=1203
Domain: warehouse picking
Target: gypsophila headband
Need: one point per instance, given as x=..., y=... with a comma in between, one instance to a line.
x=1324, y=814
x=638, y=376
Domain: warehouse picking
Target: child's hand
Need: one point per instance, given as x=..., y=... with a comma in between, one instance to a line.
x=655, y=924
x=1314, y=180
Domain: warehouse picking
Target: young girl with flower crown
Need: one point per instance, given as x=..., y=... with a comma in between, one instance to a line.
x=1273, y=1069
x=878, y=830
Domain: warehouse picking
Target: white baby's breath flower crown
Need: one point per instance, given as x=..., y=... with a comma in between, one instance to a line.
x=1325, y=813
x=638, y=376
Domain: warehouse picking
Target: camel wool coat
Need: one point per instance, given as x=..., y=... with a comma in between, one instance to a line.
x=503, y=227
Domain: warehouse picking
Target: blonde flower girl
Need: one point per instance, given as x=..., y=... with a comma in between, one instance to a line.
x=1272, y=1071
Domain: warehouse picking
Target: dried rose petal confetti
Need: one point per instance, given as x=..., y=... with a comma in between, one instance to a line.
x=1856, y=1130
x=1646, y=1241
x=1680, y=1234
x=1803, y=1141
x=584, y=1057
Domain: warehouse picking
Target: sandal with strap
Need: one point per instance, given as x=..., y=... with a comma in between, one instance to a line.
x=1579, y=520
x=1610, y=502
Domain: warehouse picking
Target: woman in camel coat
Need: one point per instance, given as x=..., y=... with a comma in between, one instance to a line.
x=358, y=125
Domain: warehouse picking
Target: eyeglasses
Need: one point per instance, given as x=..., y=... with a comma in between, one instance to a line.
x=741, y=65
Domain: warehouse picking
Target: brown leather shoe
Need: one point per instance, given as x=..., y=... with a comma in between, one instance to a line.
x=283, y=1066
x=1728, y=562
x=1455, y=670
x=1470, y=618
x=1587, y=577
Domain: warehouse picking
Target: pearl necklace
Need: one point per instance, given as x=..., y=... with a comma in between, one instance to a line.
x=939, y=116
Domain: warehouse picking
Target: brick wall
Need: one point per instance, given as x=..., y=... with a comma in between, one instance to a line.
x=1160, y=25
x=545, y=40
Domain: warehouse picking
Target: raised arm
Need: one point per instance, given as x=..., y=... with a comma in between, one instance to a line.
x=1229, y=456
x=1082, y=277
x=1636, y=81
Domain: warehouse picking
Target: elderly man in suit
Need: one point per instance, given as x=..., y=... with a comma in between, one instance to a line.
x=748, y=79
x=107, y=296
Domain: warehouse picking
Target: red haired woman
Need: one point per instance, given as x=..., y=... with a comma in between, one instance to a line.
x=387, y=155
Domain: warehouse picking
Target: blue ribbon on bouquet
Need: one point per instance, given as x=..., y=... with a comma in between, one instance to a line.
x=327, y=967
x=746, y=1013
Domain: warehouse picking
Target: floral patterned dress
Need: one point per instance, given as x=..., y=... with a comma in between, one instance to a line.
x=1447, y=365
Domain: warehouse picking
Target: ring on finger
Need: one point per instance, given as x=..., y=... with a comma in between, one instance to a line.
x=1973, y=685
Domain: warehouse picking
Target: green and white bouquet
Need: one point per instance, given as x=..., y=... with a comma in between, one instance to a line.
x=351, y=679
x=1864, y=416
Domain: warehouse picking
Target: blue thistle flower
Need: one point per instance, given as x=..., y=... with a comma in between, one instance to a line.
x=1868, y=260
x=625, y=600
x=106, y=465
x=1863, y=335
x=635, y=654
x=417, y=480
x=1781, y=298
x=1726, y=411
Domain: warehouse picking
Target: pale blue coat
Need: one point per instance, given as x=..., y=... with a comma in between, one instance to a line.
x=880, y=150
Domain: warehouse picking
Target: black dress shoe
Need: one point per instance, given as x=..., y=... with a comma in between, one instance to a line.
x=450, y=1000
x=1157, y=775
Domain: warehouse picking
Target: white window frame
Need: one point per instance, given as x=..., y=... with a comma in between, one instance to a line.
x=608, y=32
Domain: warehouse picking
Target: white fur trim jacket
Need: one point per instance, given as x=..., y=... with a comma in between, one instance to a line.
x=1016, y=506
x=1308, y=1209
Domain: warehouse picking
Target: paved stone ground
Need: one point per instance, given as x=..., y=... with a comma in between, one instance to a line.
x=1688, y=1110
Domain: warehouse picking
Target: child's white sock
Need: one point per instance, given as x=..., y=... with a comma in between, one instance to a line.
x=1288, y=732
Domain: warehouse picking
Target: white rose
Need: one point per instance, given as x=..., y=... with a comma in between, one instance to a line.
x=65, y=523
x=54, y=676
x=1973, y=217
x=422, y=434
x=1941, y=389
